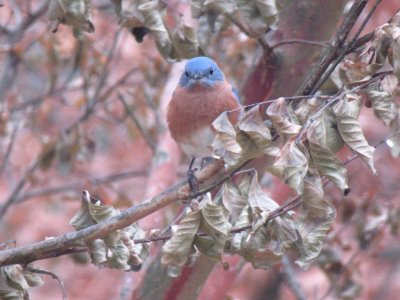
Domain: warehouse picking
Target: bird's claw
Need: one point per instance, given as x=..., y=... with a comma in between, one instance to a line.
x=193, y=182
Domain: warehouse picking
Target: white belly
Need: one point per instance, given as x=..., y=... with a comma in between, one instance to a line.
x=199, y=143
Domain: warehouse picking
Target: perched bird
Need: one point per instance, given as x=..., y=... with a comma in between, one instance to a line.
x=201, y=95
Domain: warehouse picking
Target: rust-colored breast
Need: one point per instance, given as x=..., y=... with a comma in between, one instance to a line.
x=191, y=110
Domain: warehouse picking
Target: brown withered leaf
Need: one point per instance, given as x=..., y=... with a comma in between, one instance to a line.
x=256, y=249
x=128, y=13
x=74, y=13
x=396, y=51
x=119, y=257
x=250, y=14
x=394, y=141
x=383, y=106
x=233, y=199
x=153, y=21
x=185, y=41
x=243, y=220
x=257, y=198
x=326, y=133
x=98, y=252
x=82, y=217
x=222, y=7
x=214, y=220
x=305, y=108
x=291, y=166
x=351, y=132
x=13, y=276
x=324, y=159
x=253, y=125
x=176, y=250
x=225, y=143
x=265, y=245
x=269, y=10
x=316, y=217
x=279, y=115
x=349, y=105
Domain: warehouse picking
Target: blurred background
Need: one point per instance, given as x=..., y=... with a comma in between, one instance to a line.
x=89, y=114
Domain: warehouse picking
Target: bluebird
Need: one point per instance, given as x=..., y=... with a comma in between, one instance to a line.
x=201, y=95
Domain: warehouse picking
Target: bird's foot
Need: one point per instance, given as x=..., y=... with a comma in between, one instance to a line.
x=192, y=179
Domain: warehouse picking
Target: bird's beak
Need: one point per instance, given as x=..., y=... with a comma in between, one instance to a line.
x=197, y=76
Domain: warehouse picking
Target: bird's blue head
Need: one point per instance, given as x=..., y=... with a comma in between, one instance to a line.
x=201, y=70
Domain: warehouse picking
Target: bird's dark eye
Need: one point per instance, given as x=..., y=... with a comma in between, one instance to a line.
x=211, y=71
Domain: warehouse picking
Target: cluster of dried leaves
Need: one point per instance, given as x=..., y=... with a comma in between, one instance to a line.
x=142, y=17
x=15, y=281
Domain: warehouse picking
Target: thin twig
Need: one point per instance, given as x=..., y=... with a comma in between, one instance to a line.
x=299, y=41
x=331, y=52
x=146, y=135
x=45, y=272
x=6, y=243
x=8, y=150
x=344, y=51
x=78, y=185
x=291, y=279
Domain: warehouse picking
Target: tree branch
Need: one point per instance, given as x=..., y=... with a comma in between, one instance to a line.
x=330, y=53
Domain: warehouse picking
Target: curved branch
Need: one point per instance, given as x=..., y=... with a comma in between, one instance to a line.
x=50, y=247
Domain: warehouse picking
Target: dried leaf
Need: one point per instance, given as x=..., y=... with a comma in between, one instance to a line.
x=185, y=41
x=258, y=198
x=243, y=220
x=232, y=198
x=253, y=125
x=266, y=245
x=351, y=132
x=119, y=258
x=324, y=159
x=176, y=250
x=222, y=7
x=255, y=250
x=74, y=13
x=128, y=13
x=394, y=141
x=259, y=16
x=214, y=220
x=100, y=213
x=383, y=106
x=350, y=106
x=396, y=50
x=305, y=108
x=33, y=279
x=327, y=133
x=14, y=277
x=291, y=166
x=98, y=252
x=82, y=217
x=279, y=115
x=316, y=216
x=225, y=144
x=269, y=11
x=153, y=21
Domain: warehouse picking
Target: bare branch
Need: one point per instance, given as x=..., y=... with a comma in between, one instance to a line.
x=299, y=41
x=45, y=272
x=51, y=247
x=146, y=135
x=291, y=279
x=8, y=150
x=78, y=185
x=331, y=52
